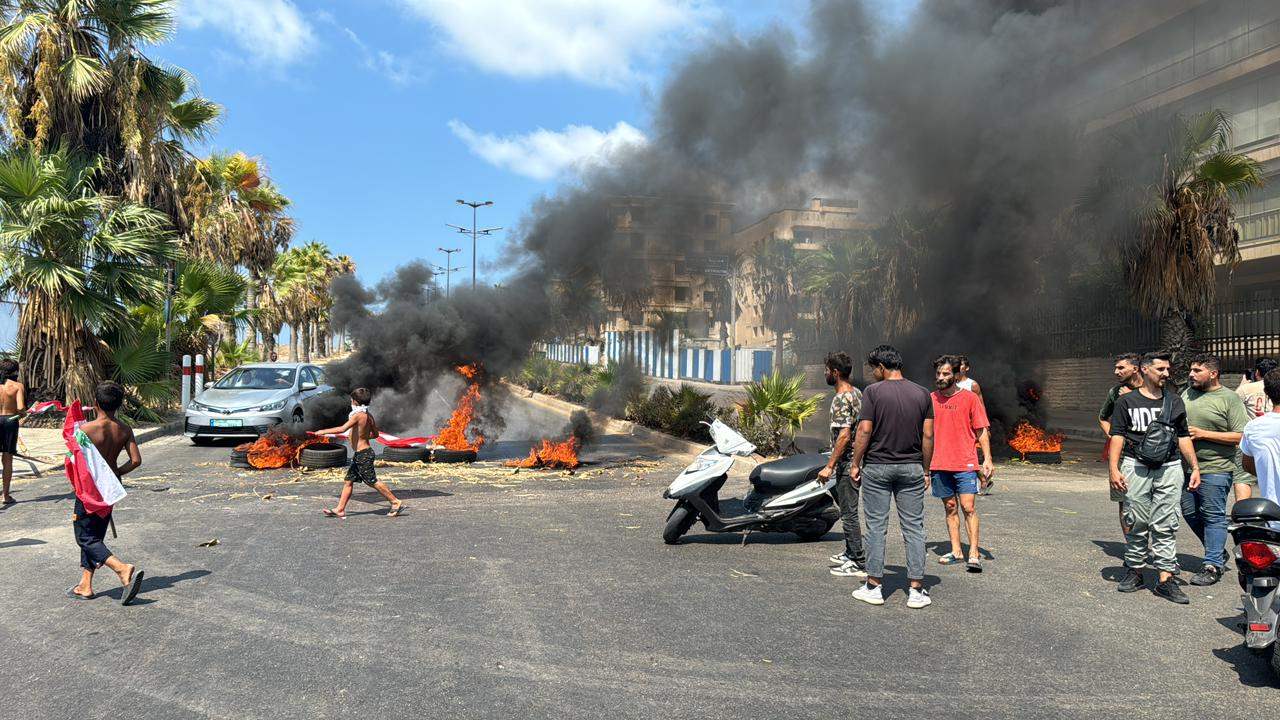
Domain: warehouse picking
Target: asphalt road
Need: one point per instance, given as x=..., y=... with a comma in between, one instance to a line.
x=546, y=595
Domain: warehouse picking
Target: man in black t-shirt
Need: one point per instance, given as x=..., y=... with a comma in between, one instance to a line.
x=1152, y=494
x=1128, y=379
x=895, y=440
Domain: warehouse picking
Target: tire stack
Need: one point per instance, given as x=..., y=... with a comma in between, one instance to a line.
x=323, y=457
x=240, y=458
x=442, y=455
x=406, y=454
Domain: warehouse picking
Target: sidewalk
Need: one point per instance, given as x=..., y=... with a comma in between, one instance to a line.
x=41, y=450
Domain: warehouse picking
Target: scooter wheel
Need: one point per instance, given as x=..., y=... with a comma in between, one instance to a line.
x=678, y=523
x=814, y=529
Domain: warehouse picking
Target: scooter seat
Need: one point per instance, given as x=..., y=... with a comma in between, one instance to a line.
x=779, y=476
x=1255, y=509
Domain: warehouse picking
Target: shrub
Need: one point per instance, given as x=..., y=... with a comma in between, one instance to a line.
x=680, y=413
x=777, y=405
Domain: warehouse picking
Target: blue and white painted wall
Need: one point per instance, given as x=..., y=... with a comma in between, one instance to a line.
x=669, y=359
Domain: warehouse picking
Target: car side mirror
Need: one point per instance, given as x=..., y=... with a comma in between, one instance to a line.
x=308, y=386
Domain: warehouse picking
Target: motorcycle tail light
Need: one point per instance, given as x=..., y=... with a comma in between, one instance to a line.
x=1258, y=555
x=1259, y=627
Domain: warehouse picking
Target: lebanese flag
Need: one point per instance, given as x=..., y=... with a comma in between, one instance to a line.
x=46, y=406
x=95, y=483
x=386, y=439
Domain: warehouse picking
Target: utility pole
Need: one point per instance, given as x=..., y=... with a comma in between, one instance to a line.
x=448, y=267
x=474, y=232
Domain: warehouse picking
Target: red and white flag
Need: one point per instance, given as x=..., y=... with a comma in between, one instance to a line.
x=95, y=483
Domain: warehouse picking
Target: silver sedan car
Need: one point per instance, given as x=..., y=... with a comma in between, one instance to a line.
x=252, y=399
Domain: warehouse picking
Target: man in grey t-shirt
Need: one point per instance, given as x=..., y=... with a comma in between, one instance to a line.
x=891, y=451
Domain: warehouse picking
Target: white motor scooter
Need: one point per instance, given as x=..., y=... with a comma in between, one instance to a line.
x=786, y=495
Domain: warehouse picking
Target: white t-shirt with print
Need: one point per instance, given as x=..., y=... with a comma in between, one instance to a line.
x=1261, y=442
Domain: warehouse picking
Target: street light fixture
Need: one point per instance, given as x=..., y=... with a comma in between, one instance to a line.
x=474, y=232
x=448, y=267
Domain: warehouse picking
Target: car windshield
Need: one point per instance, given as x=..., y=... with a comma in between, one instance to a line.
x=257, y=379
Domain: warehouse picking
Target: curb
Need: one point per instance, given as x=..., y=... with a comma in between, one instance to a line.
x=610, y=424
x=168, y=428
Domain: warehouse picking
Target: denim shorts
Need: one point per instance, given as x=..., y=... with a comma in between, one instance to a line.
x=947, y=483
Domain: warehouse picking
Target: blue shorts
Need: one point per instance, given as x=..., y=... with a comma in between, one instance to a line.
x=947, y=483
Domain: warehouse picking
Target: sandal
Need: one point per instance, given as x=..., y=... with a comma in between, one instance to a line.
x=332, y=514
x=71, y=593
x=135, y=584
x=974, y=565
x=949, y=559
x=395, y=510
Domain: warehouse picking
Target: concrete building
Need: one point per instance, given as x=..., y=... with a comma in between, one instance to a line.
x=684, y=248
x=807, y=229
x=1191, y=56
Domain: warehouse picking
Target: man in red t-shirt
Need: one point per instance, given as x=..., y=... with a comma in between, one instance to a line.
x=959, y=418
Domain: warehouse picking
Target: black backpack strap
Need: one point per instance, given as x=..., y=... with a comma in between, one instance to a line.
x=1166, y=408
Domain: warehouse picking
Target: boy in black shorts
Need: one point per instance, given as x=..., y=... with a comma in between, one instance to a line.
x=363, y=429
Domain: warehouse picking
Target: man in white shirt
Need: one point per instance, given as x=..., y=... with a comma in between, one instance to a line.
x=1260, y=444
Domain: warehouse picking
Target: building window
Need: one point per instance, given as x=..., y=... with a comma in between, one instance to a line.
x=709, y=222
x=682, y=294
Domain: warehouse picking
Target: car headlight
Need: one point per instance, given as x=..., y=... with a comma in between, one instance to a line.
x=272, y=406
x=199, y=406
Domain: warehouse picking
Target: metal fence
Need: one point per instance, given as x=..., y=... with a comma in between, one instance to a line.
x=1238, y=332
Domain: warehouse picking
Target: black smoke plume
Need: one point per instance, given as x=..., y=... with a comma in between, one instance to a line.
x=967, y=111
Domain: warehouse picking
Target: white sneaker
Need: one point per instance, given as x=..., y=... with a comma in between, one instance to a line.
x=850, y=568
x=839, y=559
x=918, y=598
x=869, y=595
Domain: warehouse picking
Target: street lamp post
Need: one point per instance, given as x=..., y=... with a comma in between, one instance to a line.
x=474, y=232
x=448, y=267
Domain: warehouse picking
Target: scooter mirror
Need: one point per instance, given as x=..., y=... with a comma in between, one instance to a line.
x=728, y=441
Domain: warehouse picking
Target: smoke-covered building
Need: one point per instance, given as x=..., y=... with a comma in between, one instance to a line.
x=807, y=229
x=1190, y=56
x=683, y=247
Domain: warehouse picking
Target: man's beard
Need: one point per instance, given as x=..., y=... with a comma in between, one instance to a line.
x=944, y=384
x=1200, y=385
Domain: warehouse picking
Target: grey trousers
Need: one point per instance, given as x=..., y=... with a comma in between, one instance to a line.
x=847, y=495
x=1152, y=502
x=904, y=484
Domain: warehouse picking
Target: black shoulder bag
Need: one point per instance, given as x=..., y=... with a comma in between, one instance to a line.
x=1161, y=436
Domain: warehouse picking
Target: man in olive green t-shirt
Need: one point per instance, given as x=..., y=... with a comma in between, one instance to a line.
x=1216, y=418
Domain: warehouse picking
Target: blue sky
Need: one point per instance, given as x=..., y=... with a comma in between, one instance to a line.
x=375, y=115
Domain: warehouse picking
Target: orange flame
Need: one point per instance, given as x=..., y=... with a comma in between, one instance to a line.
x=1029, y=438
x=454, y=435
x=277, y=449
x=559, y=455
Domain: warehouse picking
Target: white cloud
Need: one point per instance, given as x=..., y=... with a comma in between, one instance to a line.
x=272, y=32
x=393, y=67
x=544, y=154
x=592, y=41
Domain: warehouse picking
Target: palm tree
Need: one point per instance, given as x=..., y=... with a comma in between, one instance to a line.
x=238, y=219
x=73, y=75
x=77, y=260
x=302, y=292
x=838, y=278
x=772, y=274
x=1172, y=217
x=207, y=298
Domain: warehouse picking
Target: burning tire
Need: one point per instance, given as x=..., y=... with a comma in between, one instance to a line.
x=441, y=455
x=323, y=457
x=406, y=455
x=1043, y=457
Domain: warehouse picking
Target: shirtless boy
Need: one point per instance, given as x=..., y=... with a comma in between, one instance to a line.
x=111, y=437
x=13, y=400
x=363, y=429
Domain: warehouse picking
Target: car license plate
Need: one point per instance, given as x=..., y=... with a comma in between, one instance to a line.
x=226, y=423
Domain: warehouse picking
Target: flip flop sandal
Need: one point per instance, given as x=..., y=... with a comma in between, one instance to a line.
x=135, y=584
x=949, y=559
x=395, y=511
x=71, y=593
x=10, y=501
x=973, y=566
x=331, y=514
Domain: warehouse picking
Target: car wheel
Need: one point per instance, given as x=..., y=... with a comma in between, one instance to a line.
x=297, y=415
